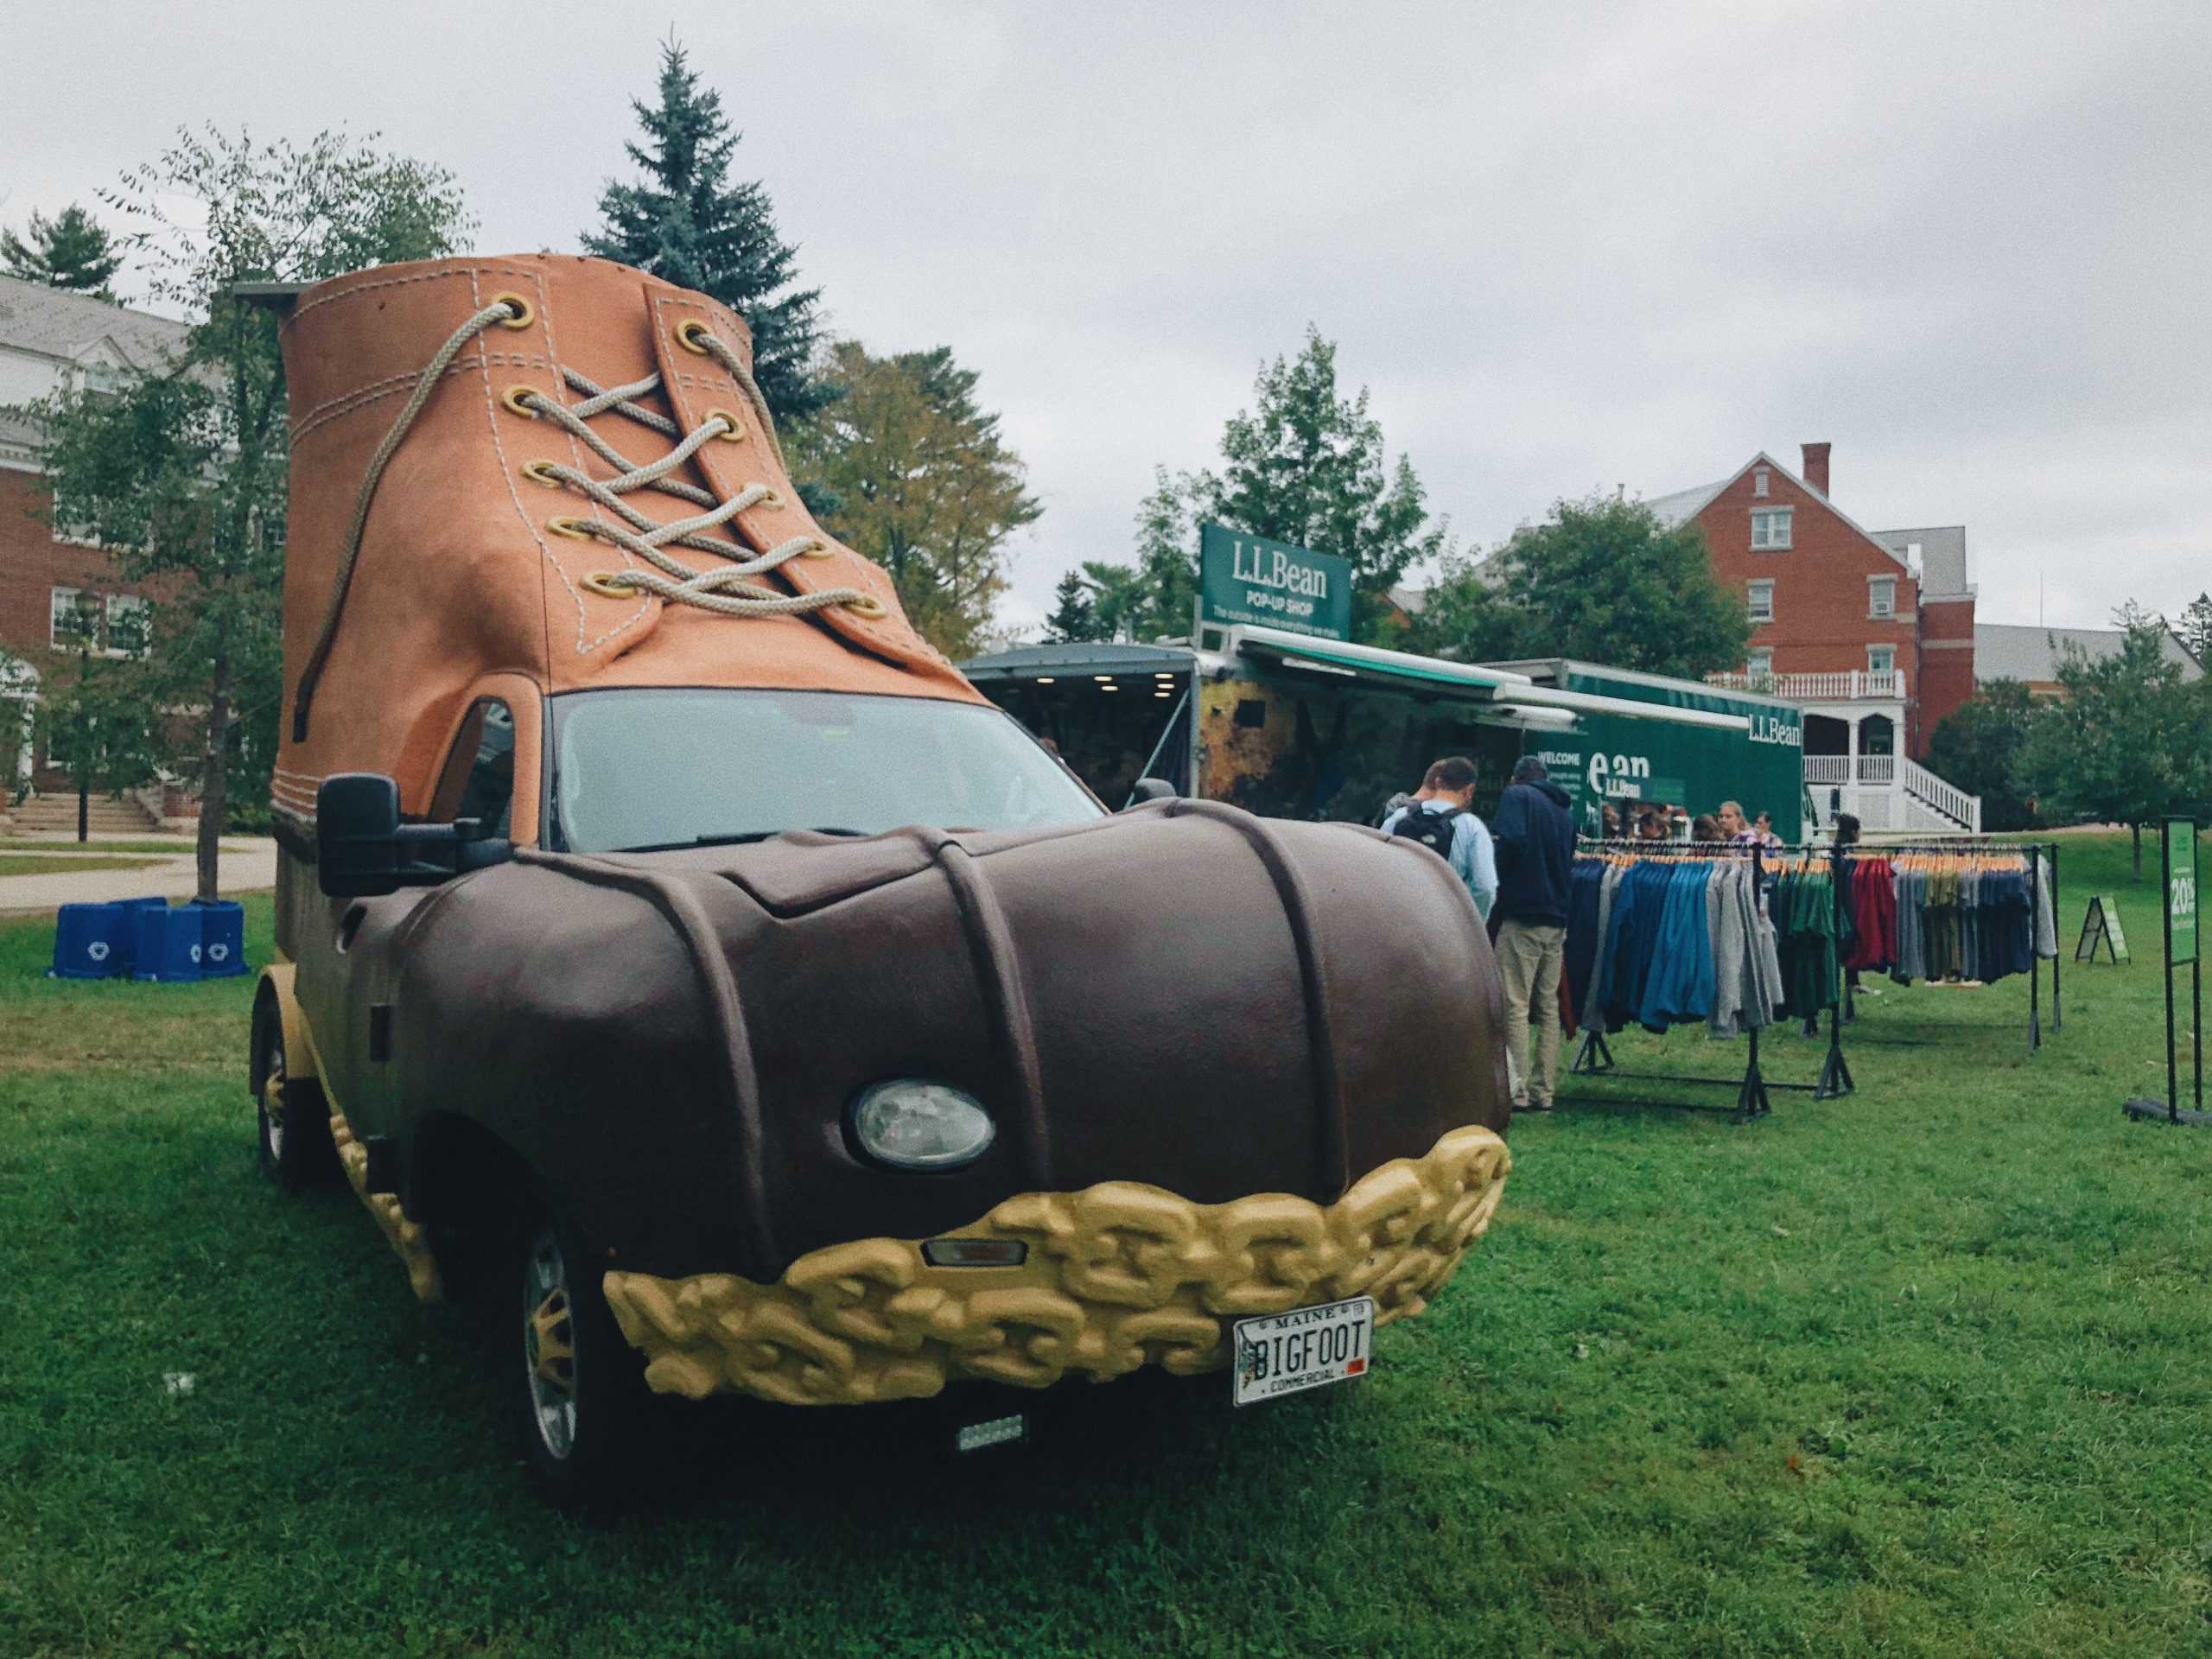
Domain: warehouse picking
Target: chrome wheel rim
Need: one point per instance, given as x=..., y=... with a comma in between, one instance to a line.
x=549, y=1345
x=272, y=1104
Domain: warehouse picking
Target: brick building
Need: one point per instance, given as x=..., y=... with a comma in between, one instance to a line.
x=49, y=338
x=1871, y=631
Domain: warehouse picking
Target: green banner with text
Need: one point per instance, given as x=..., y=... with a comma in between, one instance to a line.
x=2181, y=890
x=1250, y=579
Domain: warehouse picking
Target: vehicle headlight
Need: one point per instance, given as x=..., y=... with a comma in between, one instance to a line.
x=913, y=1123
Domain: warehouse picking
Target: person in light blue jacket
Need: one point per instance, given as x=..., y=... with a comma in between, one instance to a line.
x=1449, y=827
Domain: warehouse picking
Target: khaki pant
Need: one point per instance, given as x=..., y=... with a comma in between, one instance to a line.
x=1530, y=957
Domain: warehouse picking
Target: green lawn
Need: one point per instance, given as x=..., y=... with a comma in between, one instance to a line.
x=31, y=864
x=1924, y=1372
x=48, y=844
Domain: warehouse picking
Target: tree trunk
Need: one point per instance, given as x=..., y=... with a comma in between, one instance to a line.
x=214, y=776
x=84, y=804
x=2135, y=830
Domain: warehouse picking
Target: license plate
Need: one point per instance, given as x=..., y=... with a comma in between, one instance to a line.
x=1306, y=1348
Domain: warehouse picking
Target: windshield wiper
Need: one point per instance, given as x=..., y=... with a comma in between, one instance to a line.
x=742, y=838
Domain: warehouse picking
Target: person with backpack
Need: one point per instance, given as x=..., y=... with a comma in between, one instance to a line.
x=1536, y=857
x=1441, y=817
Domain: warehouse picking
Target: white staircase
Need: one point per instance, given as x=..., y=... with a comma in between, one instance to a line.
x=1888, y=793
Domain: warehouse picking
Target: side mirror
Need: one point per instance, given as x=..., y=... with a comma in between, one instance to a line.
x=1145, y=790
x=364, y=851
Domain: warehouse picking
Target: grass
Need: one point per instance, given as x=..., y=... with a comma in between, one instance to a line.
x=1923, y=1372
x=47, y=844
x=31, y=864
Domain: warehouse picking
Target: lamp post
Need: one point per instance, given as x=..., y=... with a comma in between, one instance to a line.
x=83, y=744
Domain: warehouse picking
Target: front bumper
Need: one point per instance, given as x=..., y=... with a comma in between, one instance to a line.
x=1118, y=1276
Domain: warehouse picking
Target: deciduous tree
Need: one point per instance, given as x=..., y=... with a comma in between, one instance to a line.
x=2193, y=627
x=2128, y=742
x=181, y=471
x=689, y=222
x=99, y=716
x=1977, y=747
x=924, y=484
x=69, y=250
x=1604, y=580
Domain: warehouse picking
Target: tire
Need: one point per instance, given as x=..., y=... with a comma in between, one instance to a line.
x=291, y=1117
x=581, y=1387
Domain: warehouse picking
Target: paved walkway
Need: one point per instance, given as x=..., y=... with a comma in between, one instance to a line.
x=253, y=870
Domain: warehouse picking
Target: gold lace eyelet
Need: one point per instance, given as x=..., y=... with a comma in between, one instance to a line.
x=689, y=333
x=541, y=472
x=773, y=502
x=576, y=530
x=514, y=397
x=610, y=584
x=525, y=312
x=817, y=551
x=735, y=427
x=868, y=605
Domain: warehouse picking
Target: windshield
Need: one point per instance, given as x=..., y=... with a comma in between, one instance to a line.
x=653, y=769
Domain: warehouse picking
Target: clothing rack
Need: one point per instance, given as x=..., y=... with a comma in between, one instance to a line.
x=1593, y=1057
x=1986, y=844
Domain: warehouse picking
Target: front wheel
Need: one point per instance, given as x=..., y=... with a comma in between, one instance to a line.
x=583, y=1389
x=292, y=1119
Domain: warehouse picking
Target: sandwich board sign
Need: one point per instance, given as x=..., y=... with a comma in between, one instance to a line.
x=1251, y=580
x=2102, y=926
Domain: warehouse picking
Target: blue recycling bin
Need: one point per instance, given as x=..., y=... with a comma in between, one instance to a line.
x=88, y=940
x=125, y=959
x=167, y=944
x=222, y=938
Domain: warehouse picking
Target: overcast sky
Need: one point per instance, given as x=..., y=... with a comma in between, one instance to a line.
x=1567, y=247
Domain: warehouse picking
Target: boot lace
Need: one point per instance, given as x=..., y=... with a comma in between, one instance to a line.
x=726, y=588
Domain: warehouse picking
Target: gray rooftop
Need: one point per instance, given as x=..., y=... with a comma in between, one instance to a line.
x=2006, y=650
x=53, y=322
x=1077, y=657
x=1684, y=504
x=1942, y=560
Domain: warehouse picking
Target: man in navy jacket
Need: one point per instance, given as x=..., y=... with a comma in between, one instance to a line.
x=1535, y=836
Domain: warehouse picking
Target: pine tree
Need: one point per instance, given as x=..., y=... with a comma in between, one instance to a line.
x=1074, y=617
x=70, y=251
x=1304, y=466
x=688, y=223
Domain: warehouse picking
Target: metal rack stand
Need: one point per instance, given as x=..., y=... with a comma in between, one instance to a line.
x=2048, y=849
x=1593, y=1055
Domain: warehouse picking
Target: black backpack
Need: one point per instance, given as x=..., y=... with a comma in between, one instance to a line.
x=1432, y=829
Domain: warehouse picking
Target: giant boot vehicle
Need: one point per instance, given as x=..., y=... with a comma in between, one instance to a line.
x=672, y=943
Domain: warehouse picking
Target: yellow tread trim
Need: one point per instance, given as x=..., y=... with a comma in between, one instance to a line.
x=1119, y=1276
x=408, y=1239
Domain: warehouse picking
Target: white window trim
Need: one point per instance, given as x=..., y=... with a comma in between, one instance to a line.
x=1759, y=664
x=1759, y=483
x=1753, y=592
x=109, y=604
x=1890, y=667
x=1782, y=518
x=55, y=595
x=1875, y=587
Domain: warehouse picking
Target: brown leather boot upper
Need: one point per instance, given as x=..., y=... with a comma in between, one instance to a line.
x=460, y=576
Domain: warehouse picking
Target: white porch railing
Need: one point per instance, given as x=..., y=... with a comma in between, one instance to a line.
x=1851, y=685
x=1838, y=769
x=1905, y=796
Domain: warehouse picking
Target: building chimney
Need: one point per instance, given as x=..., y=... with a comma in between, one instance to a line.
x=1816, y=466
